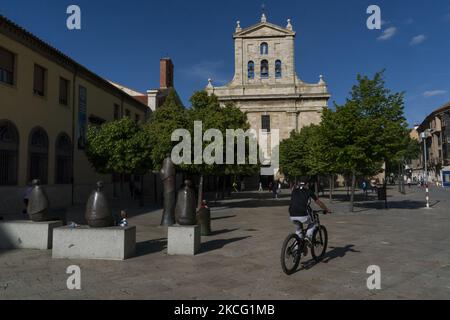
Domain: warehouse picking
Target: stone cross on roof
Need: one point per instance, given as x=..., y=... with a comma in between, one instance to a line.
x=263, y=16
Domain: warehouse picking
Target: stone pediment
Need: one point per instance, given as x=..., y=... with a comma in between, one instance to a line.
x=263, y=29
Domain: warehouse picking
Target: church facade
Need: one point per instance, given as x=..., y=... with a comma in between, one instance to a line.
x=265, y=83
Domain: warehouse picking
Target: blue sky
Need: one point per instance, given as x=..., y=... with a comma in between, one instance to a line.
x=124, y=40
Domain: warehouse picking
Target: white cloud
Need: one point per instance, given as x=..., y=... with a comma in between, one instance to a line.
x=205, y=70
x=388, y=33
x=418, y=39
x=433, y=93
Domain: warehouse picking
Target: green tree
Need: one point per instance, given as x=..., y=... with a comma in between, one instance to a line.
x=163, y=122
x=307, y=153
x=368, y=130
x=234, y=119
x=119, y=147
x=206, y=108
x=294, y=152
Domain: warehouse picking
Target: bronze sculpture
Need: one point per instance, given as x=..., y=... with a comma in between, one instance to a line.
x=98, y=214
x=168, y=175
x=186, y=205
x=204, y=219
x=38, y=203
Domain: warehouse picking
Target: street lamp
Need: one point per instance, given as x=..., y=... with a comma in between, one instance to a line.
x=424, y=136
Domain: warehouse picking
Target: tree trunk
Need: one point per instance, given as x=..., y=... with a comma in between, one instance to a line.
x=122, y=182
x=155, y=188
x=316, y=186
x=223, y=188
x=216, y=197
x=141, y=200
x=352, y=198
x=331, y=187
x=114, y=186
x=200, y=192
x=228, y=186
x=348, y=187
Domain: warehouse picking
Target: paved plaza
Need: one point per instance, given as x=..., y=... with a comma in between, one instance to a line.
x=241, y=260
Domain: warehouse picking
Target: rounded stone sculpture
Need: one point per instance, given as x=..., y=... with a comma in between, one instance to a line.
x=168, y=175
x=38, y=203
x=186, y=205
x=204, y=219
x=98, y=214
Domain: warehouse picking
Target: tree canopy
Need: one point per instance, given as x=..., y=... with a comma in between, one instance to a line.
x=121, y=147
x=163, y=122
x=356, y=139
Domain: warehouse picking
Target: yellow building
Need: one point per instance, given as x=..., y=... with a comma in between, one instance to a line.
x=47, y=100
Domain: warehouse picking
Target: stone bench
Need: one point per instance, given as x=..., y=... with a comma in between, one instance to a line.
x=183, y=240
x=114, y=243
x=27, y=234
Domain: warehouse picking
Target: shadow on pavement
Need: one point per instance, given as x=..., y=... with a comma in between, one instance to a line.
x=255, y=203
x=215, y=233
x=150, y=246
x=219, y=244
x=224, y=217
x=405, y=204
x=334, y=253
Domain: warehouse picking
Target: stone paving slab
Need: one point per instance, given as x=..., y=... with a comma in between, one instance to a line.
x=241, y=258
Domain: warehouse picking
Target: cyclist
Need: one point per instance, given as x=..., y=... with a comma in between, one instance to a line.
x=300, y=208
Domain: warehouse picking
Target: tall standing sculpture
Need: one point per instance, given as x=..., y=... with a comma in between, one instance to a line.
x=168, y=175
x=38, y=203
x=204, y=219
x=186, y=205
x=98, y=214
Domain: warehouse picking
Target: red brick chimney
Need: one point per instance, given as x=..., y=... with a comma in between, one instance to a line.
x=166, y=73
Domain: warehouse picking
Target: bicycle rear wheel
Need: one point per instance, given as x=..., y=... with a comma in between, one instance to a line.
x=290, y=254
x=319, y=243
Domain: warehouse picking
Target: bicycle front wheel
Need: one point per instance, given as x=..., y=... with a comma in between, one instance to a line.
x=319, y=243
x=290, y=254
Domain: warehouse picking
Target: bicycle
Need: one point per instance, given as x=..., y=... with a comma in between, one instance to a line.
x=294, y=246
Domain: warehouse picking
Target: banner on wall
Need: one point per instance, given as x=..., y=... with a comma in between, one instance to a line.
x=446, y=177
x=82, y=117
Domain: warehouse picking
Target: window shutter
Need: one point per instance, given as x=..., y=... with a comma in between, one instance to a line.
x=265, y=125
x=39, y=74
x=63, y=90
x=6, y=60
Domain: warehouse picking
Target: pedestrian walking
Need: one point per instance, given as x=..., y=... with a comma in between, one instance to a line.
x=235, y=187
x=260, y=189
x=275, y=190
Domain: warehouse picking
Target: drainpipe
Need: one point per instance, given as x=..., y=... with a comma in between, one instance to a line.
x=74, y=144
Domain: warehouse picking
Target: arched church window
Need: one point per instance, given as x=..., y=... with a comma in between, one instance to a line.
x=278, y=70
x=9, y=148
x=38, y=156
x=264, y=69
x=63, y=150
x=264, y=48
x=251, y=70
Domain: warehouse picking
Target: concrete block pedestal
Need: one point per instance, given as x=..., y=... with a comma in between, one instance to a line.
x=27, y=234
x=183, y=240
x=114, y=243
